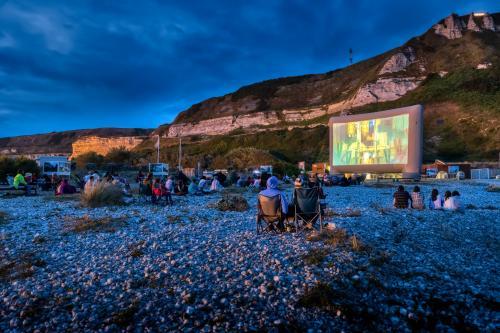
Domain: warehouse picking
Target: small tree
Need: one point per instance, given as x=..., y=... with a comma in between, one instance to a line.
x=89, y=158
x=119, y=156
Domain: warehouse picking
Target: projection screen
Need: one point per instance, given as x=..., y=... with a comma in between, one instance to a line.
x=381, y=142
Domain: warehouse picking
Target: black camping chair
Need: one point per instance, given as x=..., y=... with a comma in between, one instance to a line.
x=269, y=210
x=307, y=208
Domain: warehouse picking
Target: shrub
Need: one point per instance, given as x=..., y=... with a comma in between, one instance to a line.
x=85, y=223
x=3, y=217
x=493, y=188
x=337, y=236
x=11, y=165
x=104, y=194
x=315, y=256
x=321, y=295
x=91, y=158
x=232, y=202
x=119, y=156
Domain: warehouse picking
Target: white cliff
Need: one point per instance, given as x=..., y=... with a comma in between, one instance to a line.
x=399, y=61
x=454, y=27
x=451, y=28
x=384, y=89
x=471, y=24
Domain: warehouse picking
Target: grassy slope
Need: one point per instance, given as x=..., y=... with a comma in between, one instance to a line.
x=462, y=109
x=462, y=120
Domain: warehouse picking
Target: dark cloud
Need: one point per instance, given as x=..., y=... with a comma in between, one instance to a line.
x=83, y=64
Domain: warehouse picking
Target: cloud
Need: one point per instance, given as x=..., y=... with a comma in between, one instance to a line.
x=82, y=64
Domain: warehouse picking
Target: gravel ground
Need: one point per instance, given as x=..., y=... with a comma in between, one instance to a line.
x=191, y=267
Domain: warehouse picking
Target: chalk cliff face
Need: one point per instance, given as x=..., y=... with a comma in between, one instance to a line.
x=454, y=43
x=297, y=101
x=61, y=142
x=102, y=145
x=453, y=26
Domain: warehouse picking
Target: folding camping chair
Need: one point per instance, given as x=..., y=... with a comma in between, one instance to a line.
x=307, y=208
x=269, y=210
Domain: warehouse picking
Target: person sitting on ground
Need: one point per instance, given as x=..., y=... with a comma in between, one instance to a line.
x=271, y=191
x=401, y=198
x=193, y=188
x=90, y=184
x=87, y=176
x=344, y=181
x=263, y=179
x=452, y=200
x=181, y=188
x=256, y=182
x=435, y=201
x=202, y=185
x=216, y=185
x=65, y=188
x=19, y=180
x=241, y=182
x=139, y=177
x=417, y=199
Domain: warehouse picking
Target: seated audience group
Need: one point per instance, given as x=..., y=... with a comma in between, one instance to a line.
x=402, y=199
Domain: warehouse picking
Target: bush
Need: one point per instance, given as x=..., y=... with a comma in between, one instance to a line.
x=104, y=194
x=89, y=158
x=232, y=202
x=11, y=165
x=119, y=156
x=85, y=224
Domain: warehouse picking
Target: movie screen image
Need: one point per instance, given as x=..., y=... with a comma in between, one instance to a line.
x=374, y=141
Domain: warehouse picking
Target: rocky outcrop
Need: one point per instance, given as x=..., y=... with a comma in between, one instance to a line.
x=471, y=24
x=451, y=28
x=489, y=23
x=399, y=61
x=384, y=89
x=454, y=26
x=102, y=145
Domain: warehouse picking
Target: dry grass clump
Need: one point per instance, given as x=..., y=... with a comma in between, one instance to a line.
x=321, y=295
x=348, y=213
x=19, y=268
x=338, y=237
x=86, y=223
x=136, y=249
x=493, y=188
x=332, y=237
x=379, y=185
x=124, y=317
x=103, y=194
x=233, y=203
x=4, y=217
x=315, y=256
x=379, y=208
x=174, y=218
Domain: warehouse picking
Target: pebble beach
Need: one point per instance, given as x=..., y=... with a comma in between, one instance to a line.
x=190, y=267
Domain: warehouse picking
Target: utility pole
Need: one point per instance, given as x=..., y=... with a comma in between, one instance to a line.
x=158, y=149
x=180, y=153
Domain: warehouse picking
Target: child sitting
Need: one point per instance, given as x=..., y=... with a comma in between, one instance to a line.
x=417, y=199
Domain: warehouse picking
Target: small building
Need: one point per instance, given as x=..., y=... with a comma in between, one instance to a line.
x=452, y=168
x=54, y=165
